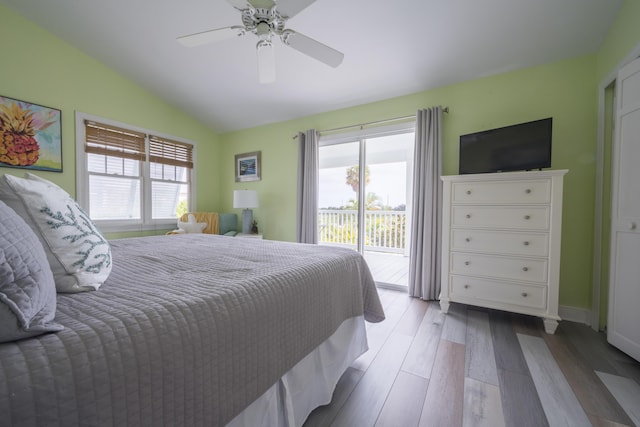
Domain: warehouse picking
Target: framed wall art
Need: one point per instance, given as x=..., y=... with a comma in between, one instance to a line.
x=30, y=135
x=248, y=167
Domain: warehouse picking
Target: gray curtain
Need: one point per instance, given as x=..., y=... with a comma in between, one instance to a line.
x=308, y=167
x=424, y=264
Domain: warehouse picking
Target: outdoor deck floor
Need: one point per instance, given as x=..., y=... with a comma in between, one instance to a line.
x=388, y=268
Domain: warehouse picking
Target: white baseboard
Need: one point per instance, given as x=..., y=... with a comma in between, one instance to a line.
x=575, y=314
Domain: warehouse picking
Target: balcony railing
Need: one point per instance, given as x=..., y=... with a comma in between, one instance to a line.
x=385, y=231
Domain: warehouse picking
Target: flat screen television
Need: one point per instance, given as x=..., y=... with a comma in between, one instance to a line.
x=524, y=146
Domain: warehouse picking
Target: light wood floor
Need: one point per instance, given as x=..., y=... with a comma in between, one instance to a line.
x=478, y=367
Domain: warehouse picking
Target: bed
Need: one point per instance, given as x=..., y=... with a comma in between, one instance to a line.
x=195, y=330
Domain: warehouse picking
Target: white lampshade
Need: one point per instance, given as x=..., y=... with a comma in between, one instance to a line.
x=245, y=199
x=266, y=62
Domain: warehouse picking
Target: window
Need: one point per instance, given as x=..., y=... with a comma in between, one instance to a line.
x=129, y=178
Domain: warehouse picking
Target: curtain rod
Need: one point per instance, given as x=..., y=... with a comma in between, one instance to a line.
x=361, y=125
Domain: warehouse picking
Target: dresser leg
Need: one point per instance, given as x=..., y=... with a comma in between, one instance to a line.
x=550, y=326
x=444, y=306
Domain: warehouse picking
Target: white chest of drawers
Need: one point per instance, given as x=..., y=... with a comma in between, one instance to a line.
x=501, y=242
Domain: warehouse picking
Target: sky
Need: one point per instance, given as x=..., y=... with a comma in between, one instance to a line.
x=387, y=180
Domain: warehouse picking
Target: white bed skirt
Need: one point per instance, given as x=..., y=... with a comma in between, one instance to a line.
x=310, y=383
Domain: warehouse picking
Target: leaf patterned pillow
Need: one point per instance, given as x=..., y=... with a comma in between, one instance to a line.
x=79, y=256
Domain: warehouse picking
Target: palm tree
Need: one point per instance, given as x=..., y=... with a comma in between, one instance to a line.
x=372, y=202
x=353, y=177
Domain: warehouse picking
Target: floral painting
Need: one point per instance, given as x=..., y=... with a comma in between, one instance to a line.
x=30, y=136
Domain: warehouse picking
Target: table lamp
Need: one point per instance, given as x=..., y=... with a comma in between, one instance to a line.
x=246, y=199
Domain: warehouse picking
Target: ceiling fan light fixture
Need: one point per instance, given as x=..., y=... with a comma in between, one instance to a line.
x=263, y=31
x=266, y=62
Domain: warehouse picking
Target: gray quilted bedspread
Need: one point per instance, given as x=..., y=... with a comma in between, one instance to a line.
x=187, y=331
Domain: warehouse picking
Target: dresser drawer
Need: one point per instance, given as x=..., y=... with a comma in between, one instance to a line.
x=514, y=217
x=530, y=191
x=471, y=288
x=503, y=267
x=500, y=242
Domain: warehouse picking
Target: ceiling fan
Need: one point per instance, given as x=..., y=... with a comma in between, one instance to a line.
x=266, y=19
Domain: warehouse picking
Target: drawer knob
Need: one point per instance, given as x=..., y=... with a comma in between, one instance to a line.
x=468, y=216
x=526, y=243
x=525, y=268
x=467, y=263
x=468, y=191
x=466, y=286
x=524, y=294
x=632, y=225
x=528, y=191
x=468, y=239
x=527, y=217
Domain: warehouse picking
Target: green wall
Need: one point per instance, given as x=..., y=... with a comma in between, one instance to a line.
x=623, y=37
x=40, y=68
x=563, y=90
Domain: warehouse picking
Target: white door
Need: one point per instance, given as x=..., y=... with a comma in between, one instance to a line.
x=623, y=329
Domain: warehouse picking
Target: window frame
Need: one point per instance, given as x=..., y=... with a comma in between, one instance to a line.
x=360, y=136
x=146, y=222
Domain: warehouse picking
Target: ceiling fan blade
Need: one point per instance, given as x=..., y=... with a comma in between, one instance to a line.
x=312, y=48
x=240, y=4
x=290, y=8
x=266, y=62
x=211, y=36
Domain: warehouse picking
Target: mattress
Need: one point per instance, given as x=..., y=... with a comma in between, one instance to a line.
x=188, y=330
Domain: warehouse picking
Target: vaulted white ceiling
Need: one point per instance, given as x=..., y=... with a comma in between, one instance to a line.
x=391, y=48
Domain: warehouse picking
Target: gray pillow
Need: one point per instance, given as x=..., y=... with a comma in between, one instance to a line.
x=27, y=289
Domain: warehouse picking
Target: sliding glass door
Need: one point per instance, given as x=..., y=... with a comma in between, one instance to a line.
x=365, y=192
x=339, y=187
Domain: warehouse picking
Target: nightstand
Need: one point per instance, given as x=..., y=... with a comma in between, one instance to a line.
x=249, y=235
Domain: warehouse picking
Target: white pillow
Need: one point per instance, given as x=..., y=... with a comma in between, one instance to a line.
x=191, y=226
x=79, y=256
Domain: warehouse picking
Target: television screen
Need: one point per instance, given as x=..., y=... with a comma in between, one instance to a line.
x=523, y=146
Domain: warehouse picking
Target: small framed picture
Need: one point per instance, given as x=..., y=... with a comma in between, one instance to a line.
x=31, y=137
x=248, y=167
